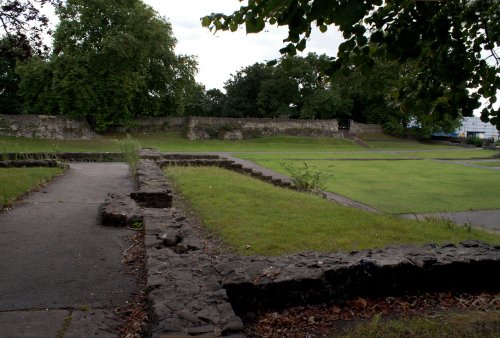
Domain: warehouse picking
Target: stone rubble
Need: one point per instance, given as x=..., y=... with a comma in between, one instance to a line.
x=120, y=210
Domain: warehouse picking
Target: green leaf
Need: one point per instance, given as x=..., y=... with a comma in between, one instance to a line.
x=205, y=21
x=254, y=24
x=323, y=28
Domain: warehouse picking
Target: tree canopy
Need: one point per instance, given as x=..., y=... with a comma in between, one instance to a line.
x=24, y=25
x=113, y=60
x=450, y=44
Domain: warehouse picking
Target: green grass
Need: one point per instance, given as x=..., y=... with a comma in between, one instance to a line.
x=15, y=182
x=455, y=154
x=407, y=186
x=470, y=324
x=494, y=164
x=319, y=155
x=404, y=145
x=170, y=141
x=276, y=221
x=27, y=145
x=174, y=142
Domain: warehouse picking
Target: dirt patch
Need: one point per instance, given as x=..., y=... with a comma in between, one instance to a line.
x=135, y=315
x=335, y=319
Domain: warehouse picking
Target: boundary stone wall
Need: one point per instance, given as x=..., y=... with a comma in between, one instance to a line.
x=359, y=128
x=196, y=128
x=153, y=124
x=203, y=128
x=45, y=127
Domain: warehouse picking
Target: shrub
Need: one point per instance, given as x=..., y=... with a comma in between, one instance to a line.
x=475, y=141
x=306, y=178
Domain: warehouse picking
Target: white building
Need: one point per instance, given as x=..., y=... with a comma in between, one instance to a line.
x=474, y=127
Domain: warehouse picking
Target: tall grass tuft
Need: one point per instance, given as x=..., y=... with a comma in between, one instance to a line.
x=130, y=149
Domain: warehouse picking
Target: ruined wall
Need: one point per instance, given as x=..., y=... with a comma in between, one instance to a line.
x=202, y=128
x=153, y=124
x=359, y=128
x=46, y=127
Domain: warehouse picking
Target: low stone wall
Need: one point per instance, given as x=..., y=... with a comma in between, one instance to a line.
x=359, y=128
x=30, y=164
x=45, y=127
x=203, y=128
x=271, y=283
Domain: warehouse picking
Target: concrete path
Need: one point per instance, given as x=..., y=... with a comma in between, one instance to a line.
x=488, y=219
x=60, y=270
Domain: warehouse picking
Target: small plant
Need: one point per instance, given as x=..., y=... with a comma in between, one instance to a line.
x=306, y=178
x=137, y=225
x=130, y=149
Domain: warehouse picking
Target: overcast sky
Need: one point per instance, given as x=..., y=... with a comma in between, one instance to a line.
x=224, y=53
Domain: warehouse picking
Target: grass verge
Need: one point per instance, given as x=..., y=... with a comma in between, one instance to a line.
x=494, y=164
x=257, y=218
x=408, y=186
x=455, y=154
x=15, y=182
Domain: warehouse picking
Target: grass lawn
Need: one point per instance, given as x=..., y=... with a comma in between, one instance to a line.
x=494, y=164
x=469, y=324
x=459, y=153
x=175, y=142
x=275, y=221
x=319, y=155
x=15, y=182
x=407, y=186
x=27, y=145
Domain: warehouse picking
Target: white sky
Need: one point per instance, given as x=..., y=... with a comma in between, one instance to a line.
x=224, y=53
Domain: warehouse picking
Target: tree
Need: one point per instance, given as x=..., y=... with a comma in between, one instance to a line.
x=10, y=54
x=214, y=102
x=243, y=90
x=113, y=60
x=446, y=42
x=24, y=24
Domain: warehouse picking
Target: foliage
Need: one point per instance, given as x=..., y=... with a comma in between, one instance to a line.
x=112, y=60
x=476, y=141
x=292, y=87
x=10, y=54
x=130, y=149
x=24, y=25
x=444, y=41
x=306, y=178
x=276, y=221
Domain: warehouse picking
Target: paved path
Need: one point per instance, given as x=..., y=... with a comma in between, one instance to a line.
x=60, y=270
x=488, y=219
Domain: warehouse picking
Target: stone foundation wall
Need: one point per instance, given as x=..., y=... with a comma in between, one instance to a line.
x=359, y=128
x=45, y=127
x=203, y=128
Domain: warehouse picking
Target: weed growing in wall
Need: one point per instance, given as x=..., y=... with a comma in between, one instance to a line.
x=130, y=149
